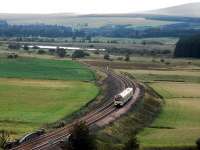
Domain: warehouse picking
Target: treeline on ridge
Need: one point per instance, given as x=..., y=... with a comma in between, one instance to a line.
x=120, y=31
x=188, y=47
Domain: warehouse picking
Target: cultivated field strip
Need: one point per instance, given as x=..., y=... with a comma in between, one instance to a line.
x=53, y=138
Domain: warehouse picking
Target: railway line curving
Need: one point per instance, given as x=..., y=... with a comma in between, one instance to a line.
x=48, y=140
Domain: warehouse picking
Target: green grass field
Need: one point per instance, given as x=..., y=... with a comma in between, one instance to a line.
x=179, y=122
x=44, y=69
x=36, y=92
x=28, y=104
x=192, y=76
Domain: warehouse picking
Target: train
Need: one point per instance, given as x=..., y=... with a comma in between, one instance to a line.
x=122, y=98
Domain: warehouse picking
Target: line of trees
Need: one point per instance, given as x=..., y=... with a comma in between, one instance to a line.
x=188, y=47
x=124, y=31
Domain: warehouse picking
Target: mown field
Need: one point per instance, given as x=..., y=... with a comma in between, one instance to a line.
x=36, y=92
x=178, y=124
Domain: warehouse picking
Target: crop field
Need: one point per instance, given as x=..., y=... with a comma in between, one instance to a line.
x=44, y=69
x=36, y=92
x=179, y=122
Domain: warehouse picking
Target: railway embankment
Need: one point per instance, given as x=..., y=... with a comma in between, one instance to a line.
x=141, y=115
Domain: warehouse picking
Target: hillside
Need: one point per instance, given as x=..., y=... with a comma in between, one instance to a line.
x=186, y=10
x=81, y=21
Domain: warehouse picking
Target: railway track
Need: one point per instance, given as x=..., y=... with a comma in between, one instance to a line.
x=44, y=142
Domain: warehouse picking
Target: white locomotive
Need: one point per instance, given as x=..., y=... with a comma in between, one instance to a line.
x=123, y=97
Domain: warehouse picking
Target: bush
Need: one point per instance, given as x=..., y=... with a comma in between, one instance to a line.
x=127, y=58
x=41, y=51
x=162, y=60
x=61, y=52
x=80, y=138
x=79, y=54
x=107, y=56
x=120, y=58
x=132, y=144
x=198, y=144
x=4, y=137
x=51, y=51
x=14, y=46
x=96, y=52
x=26, y=48
x=12, y=56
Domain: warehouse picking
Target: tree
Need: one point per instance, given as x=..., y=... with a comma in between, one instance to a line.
x=127, y=58
x=107, y=56
x=61, y=52
x=79, y=54
x=40, y=51
x=198, y=144
x=14, y=46
x=188, y=47
x=132, y=144
x=80, y=138
x=4, y=137
x=51, y=51
x=26, y=48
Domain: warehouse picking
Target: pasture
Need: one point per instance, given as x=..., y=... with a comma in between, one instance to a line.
x=44, y=69
x=27, y=104
x=178, y=124
x=174, y=75
x=37, y=92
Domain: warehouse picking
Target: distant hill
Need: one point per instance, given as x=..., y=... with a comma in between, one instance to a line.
x=186, y=10
x=150, y=18
x=82, y=21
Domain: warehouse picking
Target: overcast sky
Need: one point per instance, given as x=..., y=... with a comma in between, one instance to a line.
x=85, y=6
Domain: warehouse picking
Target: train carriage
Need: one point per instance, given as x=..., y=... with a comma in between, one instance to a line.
x=123, y=97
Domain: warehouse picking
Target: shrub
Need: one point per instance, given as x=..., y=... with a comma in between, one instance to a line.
x=26, y=48
x=120, y=58
x=79, y=54
x=198, y=143
x=14, y=46
x=61, y=52
x=40, y=51
x=4, y=137
x=80, y=138
x=107, y=56
x=127, y=58
x=132, y=144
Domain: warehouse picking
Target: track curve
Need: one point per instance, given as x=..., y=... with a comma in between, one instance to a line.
x=52, y=138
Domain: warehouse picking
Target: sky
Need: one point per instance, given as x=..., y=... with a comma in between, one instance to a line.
x=85, y=6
